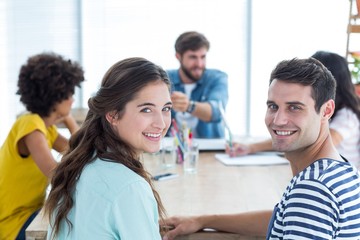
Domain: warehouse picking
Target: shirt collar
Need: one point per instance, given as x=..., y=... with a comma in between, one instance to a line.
x=177, y=81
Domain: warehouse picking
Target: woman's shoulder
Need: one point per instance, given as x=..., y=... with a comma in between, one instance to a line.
x=27, y=123
x=107, y=176
x=345, y=113
x=110, y=169
x=345, y=119
x=26, y=116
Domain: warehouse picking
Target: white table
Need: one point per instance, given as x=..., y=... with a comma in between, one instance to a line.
x=215, y=189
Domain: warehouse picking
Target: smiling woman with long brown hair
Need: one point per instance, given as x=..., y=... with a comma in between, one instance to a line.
x=101, y=190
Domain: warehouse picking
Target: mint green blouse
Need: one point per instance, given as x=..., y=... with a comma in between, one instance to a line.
x=111, y=202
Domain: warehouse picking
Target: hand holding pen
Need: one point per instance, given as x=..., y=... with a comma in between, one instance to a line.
x=226, y=125
x=237, y=149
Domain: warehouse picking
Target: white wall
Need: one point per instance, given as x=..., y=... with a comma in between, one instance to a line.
x=284, y=29
x=28, y=28
x=4, y=101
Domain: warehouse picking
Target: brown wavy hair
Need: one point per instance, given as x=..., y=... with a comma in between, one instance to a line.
x=345, y=90
x=97, y=139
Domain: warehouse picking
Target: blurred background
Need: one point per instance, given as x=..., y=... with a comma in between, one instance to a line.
x=247, y=38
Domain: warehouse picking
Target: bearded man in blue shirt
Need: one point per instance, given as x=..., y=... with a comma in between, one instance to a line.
x=198, y=93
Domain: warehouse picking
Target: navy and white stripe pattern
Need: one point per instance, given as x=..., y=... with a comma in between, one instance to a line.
x=321, y=202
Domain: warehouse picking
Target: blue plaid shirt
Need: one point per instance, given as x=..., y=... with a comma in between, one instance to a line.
x=211, y=88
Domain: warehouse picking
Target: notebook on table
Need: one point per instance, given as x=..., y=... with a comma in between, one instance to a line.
x=260, y=159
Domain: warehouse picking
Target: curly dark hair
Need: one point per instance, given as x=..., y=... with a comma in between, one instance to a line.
x=47, y=79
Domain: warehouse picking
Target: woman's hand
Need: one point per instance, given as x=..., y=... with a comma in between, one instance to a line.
x=70, y=123
x=237, y=149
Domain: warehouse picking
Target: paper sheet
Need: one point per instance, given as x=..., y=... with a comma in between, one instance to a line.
x=253, y=159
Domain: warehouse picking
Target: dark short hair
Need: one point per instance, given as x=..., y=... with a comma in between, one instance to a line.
x=307, y=72
x=47, y=79
x=191, y=41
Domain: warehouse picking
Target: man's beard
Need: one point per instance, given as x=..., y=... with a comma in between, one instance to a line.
x=189, y=75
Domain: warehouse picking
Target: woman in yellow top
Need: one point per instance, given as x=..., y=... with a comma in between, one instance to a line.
x=46, y=86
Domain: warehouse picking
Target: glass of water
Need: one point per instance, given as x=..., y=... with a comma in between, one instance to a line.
x=191, y=158
x=168, y=156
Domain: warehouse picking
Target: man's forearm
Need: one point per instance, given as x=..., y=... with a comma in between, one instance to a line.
x=261, y=146
x=203, y=111
x=249, y=223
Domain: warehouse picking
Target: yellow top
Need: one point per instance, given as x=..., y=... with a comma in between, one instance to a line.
x=22, y=184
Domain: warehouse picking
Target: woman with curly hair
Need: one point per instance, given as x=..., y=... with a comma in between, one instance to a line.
x=46, y=86
x=100, y=190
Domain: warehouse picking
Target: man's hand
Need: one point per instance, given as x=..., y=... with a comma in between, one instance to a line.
x=180, y=101
x=182, y=226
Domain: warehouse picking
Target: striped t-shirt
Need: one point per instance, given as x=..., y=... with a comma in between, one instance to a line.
x=321, y=202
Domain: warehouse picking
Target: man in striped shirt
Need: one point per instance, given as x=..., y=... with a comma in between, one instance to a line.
x=322, y=201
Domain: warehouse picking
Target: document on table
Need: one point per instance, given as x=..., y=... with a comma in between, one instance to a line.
x=209, y=144
x=267, y=158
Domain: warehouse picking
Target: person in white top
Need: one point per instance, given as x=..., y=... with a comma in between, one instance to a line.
x=345, y=122
x=346, y=127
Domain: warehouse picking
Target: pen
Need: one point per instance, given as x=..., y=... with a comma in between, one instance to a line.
x=177, y=140
x=175, y=125
x=222, y=112
x=165, y=176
